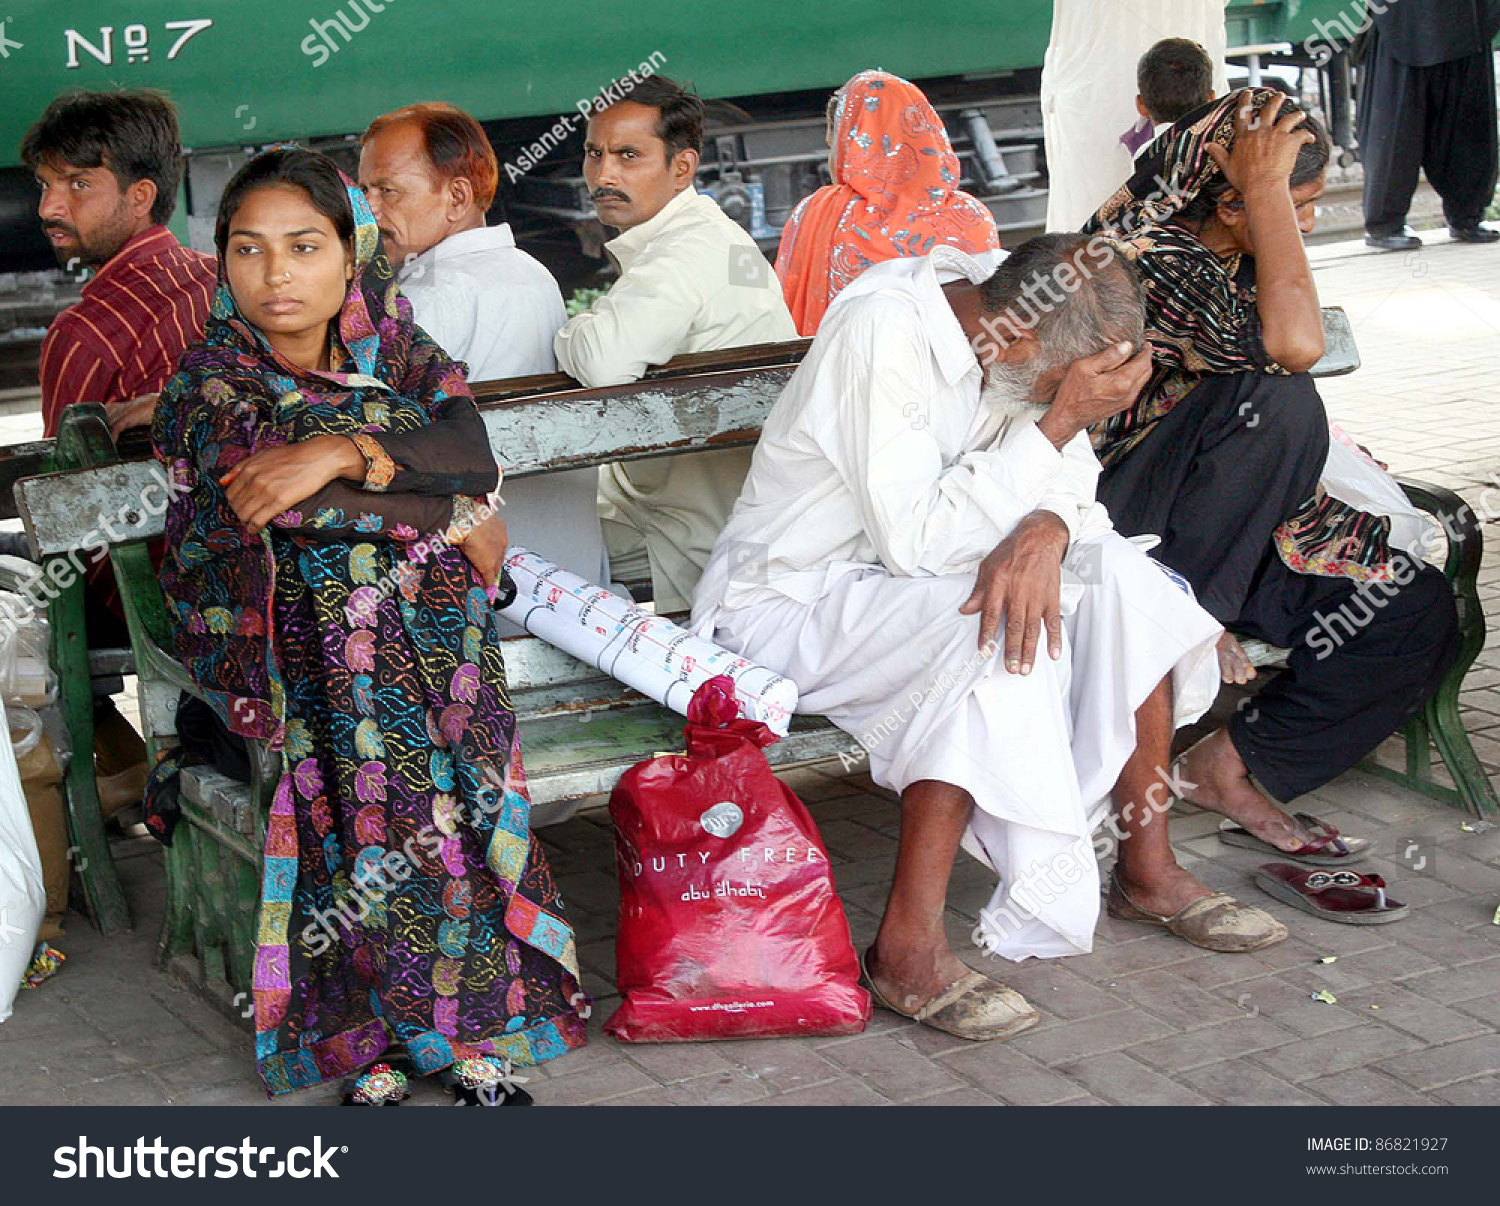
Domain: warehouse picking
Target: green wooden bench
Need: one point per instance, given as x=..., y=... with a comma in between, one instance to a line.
x=580, y=729
x=82, y=672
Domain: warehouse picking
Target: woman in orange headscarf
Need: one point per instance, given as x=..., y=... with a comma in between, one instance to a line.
x=895, y=194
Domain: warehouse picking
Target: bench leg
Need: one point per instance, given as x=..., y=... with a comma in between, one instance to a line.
x=177, y=923
x=96, y=865
x=1452, y=741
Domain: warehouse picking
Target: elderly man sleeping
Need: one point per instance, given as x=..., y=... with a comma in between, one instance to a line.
x=923, y=495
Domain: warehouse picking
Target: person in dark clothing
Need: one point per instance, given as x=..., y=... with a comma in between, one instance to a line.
x=1222, y=457
x=1427, y=100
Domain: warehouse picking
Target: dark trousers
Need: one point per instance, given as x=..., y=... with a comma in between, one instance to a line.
x=1439, y=118
x=1214, y=479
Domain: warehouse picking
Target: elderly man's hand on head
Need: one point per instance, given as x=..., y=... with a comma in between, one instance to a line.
x=1094, y=388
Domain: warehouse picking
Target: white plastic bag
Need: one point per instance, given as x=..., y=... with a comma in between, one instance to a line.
x=1352, y=477
x=26, y=675
x=23, y=900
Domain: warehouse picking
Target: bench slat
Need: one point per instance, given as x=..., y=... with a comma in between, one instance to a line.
x=66, y=511
x=678, y=408
x=567, y=759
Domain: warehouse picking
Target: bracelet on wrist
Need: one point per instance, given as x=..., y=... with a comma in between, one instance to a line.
x=464, y=520
x=380, y=470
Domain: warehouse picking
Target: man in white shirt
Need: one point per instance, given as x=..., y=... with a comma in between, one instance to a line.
x=430, y=175
x=1089, y=83
x=925, y=475
x=691, y=280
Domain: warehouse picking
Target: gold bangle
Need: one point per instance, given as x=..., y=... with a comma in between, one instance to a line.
x=380, y=470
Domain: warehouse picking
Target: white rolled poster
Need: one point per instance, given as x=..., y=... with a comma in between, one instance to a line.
x=640, y=649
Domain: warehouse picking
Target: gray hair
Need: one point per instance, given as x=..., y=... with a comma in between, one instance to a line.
x=1076, y=293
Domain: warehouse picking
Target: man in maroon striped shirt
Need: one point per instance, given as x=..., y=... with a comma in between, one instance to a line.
x=109, y=164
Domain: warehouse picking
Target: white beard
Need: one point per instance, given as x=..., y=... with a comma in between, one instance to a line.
x=1007, y=391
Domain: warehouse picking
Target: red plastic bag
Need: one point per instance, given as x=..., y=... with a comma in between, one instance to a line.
x=729, y=924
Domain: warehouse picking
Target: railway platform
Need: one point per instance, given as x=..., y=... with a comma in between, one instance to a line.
x=1146, y=1018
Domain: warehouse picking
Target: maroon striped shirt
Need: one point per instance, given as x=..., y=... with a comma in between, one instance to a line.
x=136, y=317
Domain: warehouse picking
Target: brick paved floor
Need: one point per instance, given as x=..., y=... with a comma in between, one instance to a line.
x=1144, y=1019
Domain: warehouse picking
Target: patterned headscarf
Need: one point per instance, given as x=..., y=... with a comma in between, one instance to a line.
x=1176, y=167
x=234, y=395
x=895, y=195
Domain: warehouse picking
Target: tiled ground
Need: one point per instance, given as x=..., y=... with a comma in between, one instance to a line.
x=1146, y=1018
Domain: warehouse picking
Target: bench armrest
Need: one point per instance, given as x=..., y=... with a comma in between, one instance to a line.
x=1340, y=353
x=1459, y=524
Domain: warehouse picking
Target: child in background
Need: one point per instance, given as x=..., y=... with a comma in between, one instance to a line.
x=1174, y=77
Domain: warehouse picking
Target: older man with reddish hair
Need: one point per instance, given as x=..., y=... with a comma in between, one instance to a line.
x=430, y=175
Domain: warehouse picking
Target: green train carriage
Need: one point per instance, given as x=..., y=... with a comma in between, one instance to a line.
x=317, y=72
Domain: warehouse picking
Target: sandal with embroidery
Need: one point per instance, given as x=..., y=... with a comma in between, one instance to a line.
x=378, y=1085
x=486, y=1081
x=1343, y=896
x=1328, y=847
x=973, y=1007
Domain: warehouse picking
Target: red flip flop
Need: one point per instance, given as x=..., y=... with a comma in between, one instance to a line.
x=1343, y=896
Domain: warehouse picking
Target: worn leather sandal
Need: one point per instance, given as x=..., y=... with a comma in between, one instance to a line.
x=1215, y=923
x=973, y=1007
x=1343, y=896
x=1328, y=848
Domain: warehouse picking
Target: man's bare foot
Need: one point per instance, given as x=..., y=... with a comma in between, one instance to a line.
x=1214, y=776
x=1234, y=665
x=910, y=976
x=1166, y=891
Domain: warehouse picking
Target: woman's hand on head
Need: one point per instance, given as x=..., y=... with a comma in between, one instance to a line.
x=486, y=547
x=1266, y=145
x=273, y=480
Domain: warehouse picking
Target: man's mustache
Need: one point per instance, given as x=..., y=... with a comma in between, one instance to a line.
x=62, y=227
x=599, y=193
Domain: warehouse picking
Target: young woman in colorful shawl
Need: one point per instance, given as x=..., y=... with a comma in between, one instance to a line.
x=895, y=194
x=326, y=446
x=1222, y=457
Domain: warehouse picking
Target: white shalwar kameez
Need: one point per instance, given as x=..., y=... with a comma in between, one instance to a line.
x=879, y=484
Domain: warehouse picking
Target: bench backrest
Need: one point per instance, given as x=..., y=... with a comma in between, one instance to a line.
x=536, y=425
